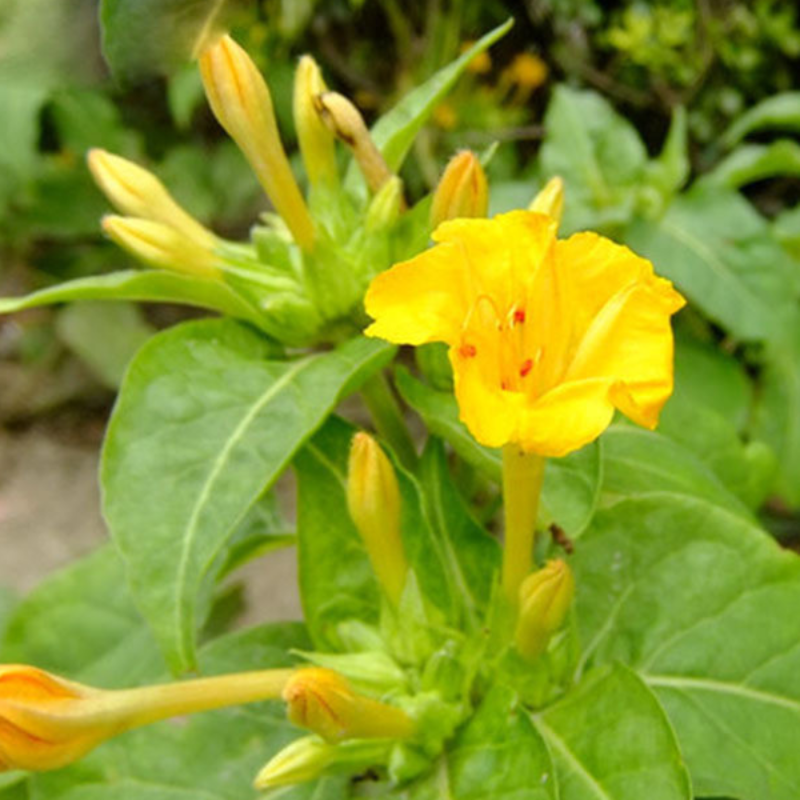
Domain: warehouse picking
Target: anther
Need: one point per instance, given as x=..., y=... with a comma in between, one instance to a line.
x=468, y=351
x=519, y=315
x=526, y=367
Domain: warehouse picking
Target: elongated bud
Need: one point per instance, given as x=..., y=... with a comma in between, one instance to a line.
x=386, y=205
x=373, y=498
x=463, y=190
x=316, y=141
x=138, y=193
x=162, y=246
x=47, y=722
x=545, y=599
x=241, y=102
x=550, y=200
x=324, y=702
x=310, y=758
x=346, y=123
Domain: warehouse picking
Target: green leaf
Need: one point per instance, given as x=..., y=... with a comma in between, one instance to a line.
x=203, y=426
x=786, y=227
x=641, y=462
x=777, y=421
x=703, y=604
x=498, y=754
x=670, y=170
x=755, y=162
x=121, y=328
x=721, y=255
x=81, y=622
x=611, y=740
x=7, y=602
x=22, y=102
x=780, y=111
x=146, y=37
x=571, y=484
x=336, y=579
x=395, y=131
x=210, y=756
x=599, y=155
x=152, y=286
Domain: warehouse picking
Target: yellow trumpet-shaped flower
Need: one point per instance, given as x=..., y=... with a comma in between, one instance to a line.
x=47, y=722
x=323, y=701
x=241, y=102
x=546, y=337
x=463, y=190
x=138, y=193
x=162, y=246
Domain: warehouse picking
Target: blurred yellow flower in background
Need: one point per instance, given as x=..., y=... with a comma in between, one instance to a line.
x=546, y=337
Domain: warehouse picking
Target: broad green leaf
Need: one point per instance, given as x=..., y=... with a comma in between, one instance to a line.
x=336, y=579
x=146, y=37
x=786, y=227
x=611, y=740
x=781, y=111
x=80, y=622
x=203, y=426
x=641, y=462
x=703, y=605
x=777, y=420
x=498, y=754
x=395, y=131
x=720, y=254
x=152, y=286
x=571, y=484
x=599, y=155
x=473, y=556
x=209, y=756
x=119, y=326
x=749, y=163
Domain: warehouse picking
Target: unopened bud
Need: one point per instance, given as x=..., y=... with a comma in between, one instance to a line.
x=323, y=701
x=242, y=103
x=138, y=193
x=373, y=498
x=346, y=123
x=545, y=597
x=550, y=200
x=162, y=246
x=315, y=140
x=310, y=758
x=386, y=205
x=463, y=190
x=47, y=722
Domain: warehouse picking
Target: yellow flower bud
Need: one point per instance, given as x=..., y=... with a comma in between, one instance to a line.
x=463, y=190
x=47, y=722
x=138, y=193
x=162, y=246
x=347, y=124
x=241, y=102
x=324, y=702
x=316, y=141
x=545, y=597
x=550, y=200
x=373, y=498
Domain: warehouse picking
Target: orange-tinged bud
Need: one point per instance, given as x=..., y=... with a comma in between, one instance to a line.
x=138, y=193
x=241, y=102
x=550, y=200
x=373, y=498
x=545, y=597
x=47, y=722
x=162, y=246
x=324, y=702
x=463, y=190
x=346, y=123
x=316, y=141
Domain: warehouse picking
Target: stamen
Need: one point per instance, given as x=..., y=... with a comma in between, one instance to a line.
x=526, y=367
x=468, y=350
x=519, y=315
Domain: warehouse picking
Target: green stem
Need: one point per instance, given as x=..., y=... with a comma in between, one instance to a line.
x=388, y=418
x=523, y=474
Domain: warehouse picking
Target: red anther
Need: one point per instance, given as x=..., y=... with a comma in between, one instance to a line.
x=519, y=315
x=468, y=351
x=526, y=367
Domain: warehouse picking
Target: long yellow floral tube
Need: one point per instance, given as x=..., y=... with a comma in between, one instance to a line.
x=546, y=337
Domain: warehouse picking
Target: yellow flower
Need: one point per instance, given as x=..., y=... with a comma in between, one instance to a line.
x=546, y=337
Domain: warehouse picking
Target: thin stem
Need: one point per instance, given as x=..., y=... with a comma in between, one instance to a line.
x=523, y=474
x=388, y=418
